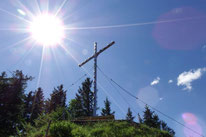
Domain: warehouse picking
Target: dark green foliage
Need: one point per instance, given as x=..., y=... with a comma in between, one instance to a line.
x=58, y=99
x=28, y=101
x=108, y=129
x=61, y=129
x=148, y=117
x=152, y=132
x=114, y=129
x=152, y=120
x=40, y=125
x=47, y=106
x=34, y=105
x=84, y=100
x=140, y=119
x=75, y=108
x=124, y=129
x=12, y=102
x=28, y=114
x=87, y=97
x=129, y=116
x=32, y=131
x=163, y=126
x=156, y=121
x=106, y=111
x=37, y=104
x=60, y=114
x=79, y=132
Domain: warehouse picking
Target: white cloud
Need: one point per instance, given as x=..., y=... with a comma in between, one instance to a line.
x=170, y=81
x=186, y=78
x=161, y=99
x=155, y=81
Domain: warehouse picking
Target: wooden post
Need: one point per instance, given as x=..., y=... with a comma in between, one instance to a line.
x=96, y=54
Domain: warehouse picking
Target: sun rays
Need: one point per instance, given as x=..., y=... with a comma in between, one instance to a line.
x=60, y=8
x=43, y=19
x=16, y=16
x=41, y=66
x=42, y=28
x=134, y=24
x=45, y=27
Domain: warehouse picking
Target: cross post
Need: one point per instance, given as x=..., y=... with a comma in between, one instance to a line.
x=96, y=54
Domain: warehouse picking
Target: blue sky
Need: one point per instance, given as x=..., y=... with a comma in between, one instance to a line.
x=159, y=55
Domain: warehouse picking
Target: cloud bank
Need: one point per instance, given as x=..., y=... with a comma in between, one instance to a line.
x=155, y=81
x=186, y=78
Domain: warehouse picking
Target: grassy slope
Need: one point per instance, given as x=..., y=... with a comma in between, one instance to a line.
x=107, y=129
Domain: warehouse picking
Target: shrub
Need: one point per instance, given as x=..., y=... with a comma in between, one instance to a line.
x=61, y=129
x=106, y=129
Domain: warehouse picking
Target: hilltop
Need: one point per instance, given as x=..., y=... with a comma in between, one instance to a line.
x=101, y=129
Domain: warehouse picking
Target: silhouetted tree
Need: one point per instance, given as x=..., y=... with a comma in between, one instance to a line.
x=12, y=102
x=152, y=120
x=140, y=119
x=156, y=122
x=83, y=103
x=163, y=126
x=106, y=111
x=129, y=116
x=86, y=96
x=148, y=117
x=47, y=108
x=58, y=99
x=28, y=101
x=37, y=104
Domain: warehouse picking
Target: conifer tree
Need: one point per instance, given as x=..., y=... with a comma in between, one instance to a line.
x=140, y=119
x=156, y=121
x=129, y=116
x=37, y=104
x=47, y=108
x=86, y=96
x=152, y=120
x=58, y=99
x=12, y=102
x=75, y=108
x=148, y=117
x=106, y=111
x=83, y=103
x=163, y=126
x=28, y=101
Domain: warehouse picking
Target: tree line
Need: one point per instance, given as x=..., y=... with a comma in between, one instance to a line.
x=18, y=108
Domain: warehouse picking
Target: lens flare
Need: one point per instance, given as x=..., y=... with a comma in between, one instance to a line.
x=149, y=95
x=191, y=122
x=181, y=35
x=189, y=118
x=21, y=12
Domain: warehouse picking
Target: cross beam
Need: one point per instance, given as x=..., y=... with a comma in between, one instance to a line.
x=96, y=54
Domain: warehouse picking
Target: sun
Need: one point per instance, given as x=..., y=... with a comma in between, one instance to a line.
x=47, y=30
